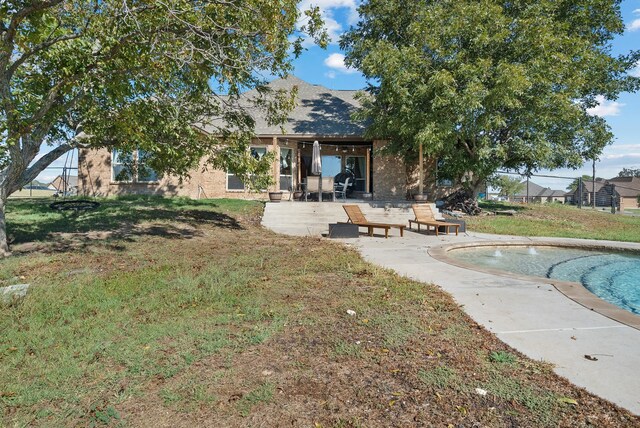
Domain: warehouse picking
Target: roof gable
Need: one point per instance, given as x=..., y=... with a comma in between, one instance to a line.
x=319, y=111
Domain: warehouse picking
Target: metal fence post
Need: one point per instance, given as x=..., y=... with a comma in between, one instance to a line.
x=580, y=192
x=613, y=199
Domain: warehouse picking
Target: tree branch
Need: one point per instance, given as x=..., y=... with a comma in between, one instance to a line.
x=17, y=18
x=17, y=63
x=32, y=172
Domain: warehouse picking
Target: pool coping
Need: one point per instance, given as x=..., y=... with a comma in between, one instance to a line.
x=573, y=290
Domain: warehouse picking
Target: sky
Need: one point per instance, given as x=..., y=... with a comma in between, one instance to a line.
x=326, y=67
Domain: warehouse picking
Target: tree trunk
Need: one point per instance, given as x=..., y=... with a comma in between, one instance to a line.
x=4, y=245
x=16, y=175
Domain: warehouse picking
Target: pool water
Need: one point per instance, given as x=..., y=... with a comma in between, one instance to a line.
x=614, y=277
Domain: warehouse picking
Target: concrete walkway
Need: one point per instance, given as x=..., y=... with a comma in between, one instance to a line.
x=531, y=316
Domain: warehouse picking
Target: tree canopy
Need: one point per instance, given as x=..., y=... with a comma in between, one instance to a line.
x=629, y=172
x=487, y=84
x=140, y=75
x=507, y=186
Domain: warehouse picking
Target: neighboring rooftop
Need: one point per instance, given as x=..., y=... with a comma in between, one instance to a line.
x=534, y=190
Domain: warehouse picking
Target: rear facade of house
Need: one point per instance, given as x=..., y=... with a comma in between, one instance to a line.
x=321, y=114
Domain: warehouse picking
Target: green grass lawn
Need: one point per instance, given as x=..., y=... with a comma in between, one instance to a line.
x=556, y=220
x=33, y=193
x=173, y=312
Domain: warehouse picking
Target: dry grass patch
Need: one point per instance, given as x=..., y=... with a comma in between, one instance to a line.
x=237, y=326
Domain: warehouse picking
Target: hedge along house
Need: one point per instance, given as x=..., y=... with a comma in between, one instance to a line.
x=320, y=114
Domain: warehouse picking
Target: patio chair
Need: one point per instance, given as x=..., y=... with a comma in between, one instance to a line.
x=424, y=216
x=313, y=186
x=357, y=217
x=340, y=189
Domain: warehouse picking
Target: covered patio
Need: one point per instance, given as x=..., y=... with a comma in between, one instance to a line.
x=352, y=157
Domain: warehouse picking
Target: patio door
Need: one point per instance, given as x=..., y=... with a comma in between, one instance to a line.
x=357, y=165
x=286, y=176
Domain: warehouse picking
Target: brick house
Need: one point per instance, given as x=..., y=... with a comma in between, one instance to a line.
x=585, y=194
x=533, y=192
x=626, y=191
x=321, y=114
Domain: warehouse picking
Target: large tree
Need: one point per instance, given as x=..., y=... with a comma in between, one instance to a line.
x=485, y=85
x=139, y=74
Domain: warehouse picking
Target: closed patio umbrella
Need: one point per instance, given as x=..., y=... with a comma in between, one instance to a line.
x=316, y=160
x=316, y=165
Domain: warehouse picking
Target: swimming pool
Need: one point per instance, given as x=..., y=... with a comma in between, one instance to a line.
x=612, y=276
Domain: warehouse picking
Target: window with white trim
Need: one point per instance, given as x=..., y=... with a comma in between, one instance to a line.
x=132, y=167
x=233, y=181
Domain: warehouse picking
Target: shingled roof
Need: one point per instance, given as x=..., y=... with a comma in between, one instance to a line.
x=536, y=190
x=319, y=112
x=628, y=187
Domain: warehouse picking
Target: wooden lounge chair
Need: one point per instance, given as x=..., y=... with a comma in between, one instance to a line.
x=424, y=216
x=356, y=217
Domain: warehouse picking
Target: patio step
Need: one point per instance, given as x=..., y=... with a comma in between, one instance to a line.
x=313, y=218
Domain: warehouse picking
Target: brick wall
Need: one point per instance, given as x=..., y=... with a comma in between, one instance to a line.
x=94, y=179
x=389, y=177
x=389, y=174
x=628, y=203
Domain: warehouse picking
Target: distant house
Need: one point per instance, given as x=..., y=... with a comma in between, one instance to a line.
x=70, y=185
x=625, y=190
x=585, y=193
x=533, y=192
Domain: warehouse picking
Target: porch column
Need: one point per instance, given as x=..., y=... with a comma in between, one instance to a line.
x=276, y=163
x=298, y=163
x=367, y=185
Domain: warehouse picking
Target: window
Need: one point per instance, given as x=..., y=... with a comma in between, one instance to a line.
x=234, y=182
x=331, y=165
x=357, y=165
x=132, y=167
x=286, y=182
x=145, y=172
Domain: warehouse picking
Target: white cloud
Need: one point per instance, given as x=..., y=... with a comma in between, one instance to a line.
x=621, y=156
x=330, y=74
x=605, y=107
x=336, y=62
x=635, y=24
x=625, y=147
x=327, y=11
